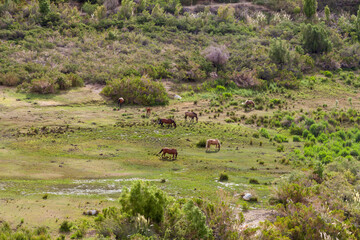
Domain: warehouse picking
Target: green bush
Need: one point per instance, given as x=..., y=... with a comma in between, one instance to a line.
x=264, y=133
x=279, y=52
x=137, y=90
x=201, y=143
x=316, y=38
x=65, y=227
x=223, y=177
x=296, y=139
x=253, y=181
x=89, y=8
x=280, y=138
x=145, y=200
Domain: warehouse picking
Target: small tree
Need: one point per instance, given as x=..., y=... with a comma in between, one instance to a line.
x=148, y=201
x=44, y=7
x=279, y=52
x=309, y=8
x=327, y=13
x=157, y=11
x=315, y=39
x=226, y=13
x=127, y=9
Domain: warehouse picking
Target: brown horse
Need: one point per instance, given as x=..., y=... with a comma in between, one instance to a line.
x=249, y=103
x=213, y=142
x=172, y=151
x=191, y=115
x=167, y=121
x=120, y=102
x=148, y=112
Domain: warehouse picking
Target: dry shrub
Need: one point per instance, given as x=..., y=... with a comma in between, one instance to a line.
x=217, y=55
x=246, y=78
x=110, y=5
x=329, y=62
x=9, y=79
x=43, y=85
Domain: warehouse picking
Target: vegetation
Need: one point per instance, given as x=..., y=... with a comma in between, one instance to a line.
x=65, y=152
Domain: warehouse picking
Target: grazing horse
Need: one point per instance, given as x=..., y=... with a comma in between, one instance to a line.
x=191, y=115
x=120, y=102
x=212, y=142
x=172, y=151
x=148, y=112
x=167, y=121
x=249, y=103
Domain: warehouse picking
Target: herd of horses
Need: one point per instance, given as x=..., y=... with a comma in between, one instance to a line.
x=192, y=116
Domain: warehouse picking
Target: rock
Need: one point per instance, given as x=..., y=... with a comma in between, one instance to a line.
x=177, y=97
x=91, y=212
x=247, y=196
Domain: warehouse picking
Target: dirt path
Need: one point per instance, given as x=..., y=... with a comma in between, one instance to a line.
x=254, y=217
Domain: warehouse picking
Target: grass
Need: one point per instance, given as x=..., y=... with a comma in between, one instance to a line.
x=101, y=150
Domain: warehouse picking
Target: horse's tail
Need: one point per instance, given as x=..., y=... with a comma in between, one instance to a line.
x=207, y=144
x=176, y=154
x=174, y=124
x=219, y=144
x=161, y=151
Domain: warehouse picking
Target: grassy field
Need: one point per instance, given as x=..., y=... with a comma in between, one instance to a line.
x=63, y=154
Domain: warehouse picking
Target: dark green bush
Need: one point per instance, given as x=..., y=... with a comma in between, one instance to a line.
x=223, y=177
x=316, y=38
x=137, y=90
x=65, y=227
x=145, y=200
x=201, y=143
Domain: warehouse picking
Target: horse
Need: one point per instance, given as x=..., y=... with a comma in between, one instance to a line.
x=120, y=102
x=148, y=112
x=191, y=115
x=172, y=151
x=167, y=121
x=213, y=142
x=249, y=103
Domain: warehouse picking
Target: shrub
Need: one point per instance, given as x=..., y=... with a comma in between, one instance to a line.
x=264, y=133
x=9, y=79
x=89, y=8
x=65, y=227
x=253, y=181
x=315, y=38
x=76, y=80
x=201, y=143
x=279, y=52
x=217, y=55
x=143, y=199
x=223, y=177
x=44, y=7
x=195, y=223
x=280, y=138
x=43, y=86
x=296, y=139
x=309, y=7
x=137, y=90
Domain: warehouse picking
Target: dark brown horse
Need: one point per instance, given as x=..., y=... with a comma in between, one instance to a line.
x=167, y=121
x=191, y=115
x=172, y=151
x=120, y=102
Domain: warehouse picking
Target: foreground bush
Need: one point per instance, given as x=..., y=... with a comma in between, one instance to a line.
x=145, y=211
x=137, y=90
